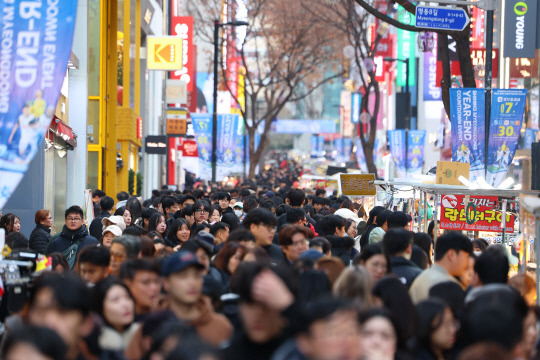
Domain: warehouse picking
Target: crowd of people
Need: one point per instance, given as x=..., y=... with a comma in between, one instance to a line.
x=263, y=272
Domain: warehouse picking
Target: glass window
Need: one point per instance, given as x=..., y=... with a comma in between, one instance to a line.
x=94, y=31
x=92, y=129
x=93, y=170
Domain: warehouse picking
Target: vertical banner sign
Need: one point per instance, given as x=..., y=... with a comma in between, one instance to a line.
x=202, y=127
x=360, y=157
x=227, y=134
x=520, y=28
x=338, y=147
x=355, y=107
x=432, y=92
x=347, y=149
x=34, y=51
x=320, y=145
x=415, y=151
x=345, y=114
x=313, y=143
x=406, y=49
x=396, y=141
x=182, y=26
x=468, y=125
x=507, y=110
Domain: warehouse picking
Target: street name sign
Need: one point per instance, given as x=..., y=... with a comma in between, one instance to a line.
x=443, y=18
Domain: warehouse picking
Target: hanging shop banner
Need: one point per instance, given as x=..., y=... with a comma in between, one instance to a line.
x=415, y=151
x=519, y=28
x=396, y=141
x=34, y=51
x=355, y=107
x=345, y=114
x=482, y=215
x=360, y=157
x=347, y=149
x=313, y=142
x=182, y=27
x=406, y=41
x=338, y=147
x=357, y=184
x=164, y=53
x=507, y=107
x=320, y=145
x=432, y=92
x=227, y=135
x=468, y=135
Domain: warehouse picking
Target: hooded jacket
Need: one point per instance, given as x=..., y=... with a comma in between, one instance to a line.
x=66, y=238
x=343, y=247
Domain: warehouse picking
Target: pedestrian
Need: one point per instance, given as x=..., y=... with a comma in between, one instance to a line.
x=73, y=238
x=93, y=264
x=41, y=235
x=374, y=259
x=397, y=244
x=107, y=207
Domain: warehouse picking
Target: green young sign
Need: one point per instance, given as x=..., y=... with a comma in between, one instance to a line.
x=406, y=41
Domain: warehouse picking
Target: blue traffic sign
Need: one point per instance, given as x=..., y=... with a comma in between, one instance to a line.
x=444, y=18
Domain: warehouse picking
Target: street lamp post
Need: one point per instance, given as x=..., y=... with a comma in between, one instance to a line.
x=217, y=25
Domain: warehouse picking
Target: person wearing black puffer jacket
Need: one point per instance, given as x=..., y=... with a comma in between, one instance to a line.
x=73, y=238
x=333, y=228
x=41, y=235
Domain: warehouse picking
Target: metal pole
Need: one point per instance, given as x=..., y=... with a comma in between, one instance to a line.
x=425, y=219
x=245, y=134
x=487, y=80
x=435, y=216
x=214, y=117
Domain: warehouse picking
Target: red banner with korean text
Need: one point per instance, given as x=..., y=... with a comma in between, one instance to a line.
x=487, y=218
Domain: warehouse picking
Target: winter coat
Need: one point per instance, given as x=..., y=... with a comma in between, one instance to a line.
x=343, y=248
x=364, y=239
x=40, y=238
x=63, y=241
x=404, y=269
x=96, y=227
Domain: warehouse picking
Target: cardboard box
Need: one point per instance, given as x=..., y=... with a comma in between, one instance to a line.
x=448, y=172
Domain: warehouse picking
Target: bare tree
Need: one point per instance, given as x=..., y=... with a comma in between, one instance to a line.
x=285, y=53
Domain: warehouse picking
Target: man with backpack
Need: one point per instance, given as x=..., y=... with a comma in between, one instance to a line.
x=74, y=236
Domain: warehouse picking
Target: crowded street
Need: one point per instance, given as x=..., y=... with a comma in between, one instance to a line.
x=269, y=180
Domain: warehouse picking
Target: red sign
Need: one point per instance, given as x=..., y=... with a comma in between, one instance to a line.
x=478, y=59
x=182, y=26
x=486, y=218
x=190, y=149
x=385, y=47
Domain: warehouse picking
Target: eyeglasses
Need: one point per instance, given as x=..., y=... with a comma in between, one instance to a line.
x=73, y=219
x=202, y=211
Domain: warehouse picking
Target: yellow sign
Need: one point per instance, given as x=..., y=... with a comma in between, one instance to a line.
x=448, y=172
x=164, y=53
x=357, y=184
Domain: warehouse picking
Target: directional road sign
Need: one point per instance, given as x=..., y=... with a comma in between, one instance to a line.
x=438, y=17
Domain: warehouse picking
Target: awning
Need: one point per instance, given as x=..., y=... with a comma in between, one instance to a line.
x=63, y=133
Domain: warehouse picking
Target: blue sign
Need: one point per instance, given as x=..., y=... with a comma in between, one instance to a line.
x=355, y=107
x=415, y=151
x=507, y=110
x=445, y=18
x=35, y=48
x=227, y=141
x=396, y=142
x=468, y=125
x=282, y=126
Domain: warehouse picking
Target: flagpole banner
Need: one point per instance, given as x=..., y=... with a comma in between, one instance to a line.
x=508, y=106
x=360, y=157
x=338, y=147
x=320, y=145
x=396, y=142
x=227, y=140
x=468, y=123
x=347, y=149
x=34, y=51
x=415, y=151
x=226, y=144
x=202, y=126
x=313, y=142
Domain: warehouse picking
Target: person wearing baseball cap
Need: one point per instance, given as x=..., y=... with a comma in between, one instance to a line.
x=183, y=281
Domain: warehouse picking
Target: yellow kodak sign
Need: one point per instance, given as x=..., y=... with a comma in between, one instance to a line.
x=164, y=53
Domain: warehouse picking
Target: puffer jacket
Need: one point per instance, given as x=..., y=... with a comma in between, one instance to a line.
x=40, y=238
x=66, y=238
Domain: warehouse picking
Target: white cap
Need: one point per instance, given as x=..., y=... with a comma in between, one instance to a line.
x=347, y=214
x=114, y=219
x=115, y=230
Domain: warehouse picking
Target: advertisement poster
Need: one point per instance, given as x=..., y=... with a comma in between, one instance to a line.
x=467, y=119
x=34, y=51
x=355, y=107
x=339, y=150
x=507, y=107
x=396, y=141
x=227, y=135
x=360, y=157
x=347, y=149
x=453, y=214
x=406, y=49
x=415, y=151
x=432, y=91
